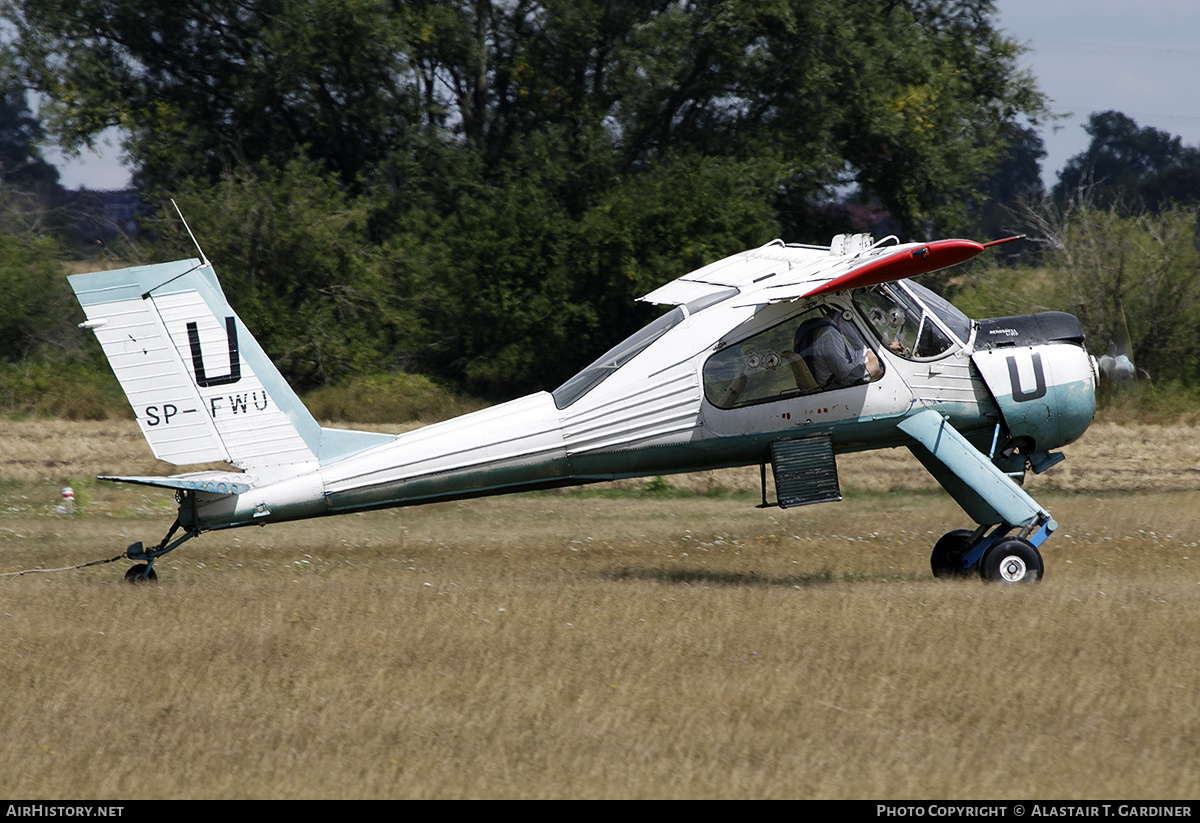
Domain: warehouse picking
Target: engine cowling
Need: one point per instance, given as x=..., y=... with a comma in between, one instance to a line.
x=1040, y=376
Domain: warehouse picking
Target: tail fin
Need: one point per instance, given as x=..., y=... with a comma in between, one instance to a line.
x=201, y=387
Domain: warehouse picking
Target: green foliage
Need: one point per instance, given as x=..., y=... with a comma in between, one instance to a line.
x=1165, y=404
x=506, y=303
x=1016, y=179
x=38, y=307
x=477, y=190
x=925, y=95
x=48, y=366
x=1125, y=166
x=296, y=260
x=81, y=488
x=1132, y=280
x=1134, y=283
x=200, y=85
x=21, y=161
x=1000, y=291
x=657, y=487
x=913, y=102
x=70, y=390
x=537, y=295
x=678, y=217
x=387, y=398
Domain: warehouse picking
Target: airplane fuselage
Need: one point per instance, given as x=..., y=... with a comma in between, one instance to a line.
x=651, y=416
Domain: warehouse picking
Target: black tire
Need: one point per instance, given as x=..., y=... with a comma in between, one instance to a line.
x=946, y=559
x=1012, y=560
x=141, y=573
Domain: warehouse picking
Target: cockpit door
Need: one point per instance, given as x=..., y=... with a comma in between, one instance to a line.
x=767, y=376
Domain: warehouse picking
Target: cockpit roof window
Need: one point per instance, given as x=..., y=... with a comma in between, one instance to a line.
x=702, y=303
x=614, y=358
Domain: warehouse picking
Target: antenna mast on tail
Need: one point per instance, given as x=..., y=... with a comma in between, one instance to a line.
x=189, y=231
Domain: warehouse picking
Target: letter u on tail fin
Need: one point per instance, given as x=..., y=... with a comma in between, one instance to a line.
x=202, y=388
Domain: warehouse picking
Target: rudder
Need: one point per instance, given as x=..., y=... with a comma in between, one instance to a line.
x=201, y=387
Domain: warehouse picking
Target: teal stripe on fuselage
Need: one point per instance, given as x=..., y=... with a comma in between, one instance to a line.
x=697, y=455
x=1058, y=418
x=702, y=454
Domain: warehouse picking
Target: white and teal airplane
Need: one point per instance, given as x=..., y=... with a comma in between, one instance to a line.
x=784, y=354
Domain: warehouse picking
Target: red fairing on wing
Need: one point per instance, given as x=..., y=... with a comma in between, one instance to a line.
x=939, y=254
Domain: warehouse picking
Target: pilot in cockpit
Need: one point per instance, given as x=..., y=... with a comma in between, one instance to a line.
x=835, y=352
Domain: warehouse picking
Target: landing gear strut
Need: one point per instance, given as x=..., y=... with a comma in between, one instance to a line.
x=144, y=572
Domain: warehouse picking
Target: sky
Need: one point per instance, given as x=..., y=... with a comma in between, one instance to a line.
x=1133, y=56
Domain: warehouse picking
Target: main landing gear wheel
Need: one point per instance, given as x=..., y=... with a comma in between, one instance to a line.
x=1012, y=560
x=141, y=573
x=948, y=552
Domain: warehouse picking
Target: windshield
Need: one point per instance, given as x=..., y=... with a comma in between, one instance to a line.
x=955, y=320
x=910, y=327
x=614, y=358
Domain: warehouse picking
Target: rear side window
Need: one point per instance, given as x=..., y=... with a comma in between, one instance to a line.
x=614, y=358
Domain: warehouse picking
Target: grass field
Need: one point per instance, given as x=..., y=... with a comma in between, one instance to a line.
x=628, y=644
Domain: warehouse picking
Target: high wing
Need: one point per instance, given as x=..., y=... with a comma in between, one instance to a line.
x=777, y=273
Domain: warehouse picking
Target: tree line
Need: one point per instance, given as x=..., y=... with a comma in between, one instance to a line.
x=477, y=190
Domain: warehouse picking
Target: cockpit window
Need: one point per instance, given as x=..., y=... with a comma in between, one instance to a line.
x=614, y=358
x=817, y=351
x=903, y=324
x=957, y=322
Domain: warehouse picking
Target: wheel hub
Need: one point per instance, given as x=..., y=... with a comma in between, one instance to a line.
x=1013, y=569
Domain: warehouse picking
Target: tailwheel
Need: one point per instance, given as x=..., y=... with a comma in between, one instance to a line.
x=947, y=557
x=141, y=573
x=1012, y=560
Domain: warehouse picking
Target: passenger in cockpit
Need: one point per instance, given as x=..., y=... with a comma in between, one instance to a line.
x=835, y=353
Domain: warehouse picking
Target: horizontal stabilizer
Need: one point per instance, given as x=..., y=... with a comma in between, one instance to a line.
x=213, y=482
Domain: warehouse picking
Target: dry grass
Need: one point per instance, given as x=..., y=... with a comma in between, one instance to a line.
x=579, y=646
x=1107, y=457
